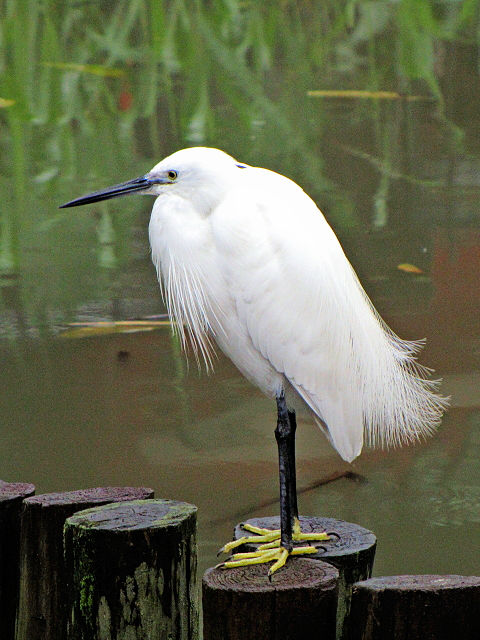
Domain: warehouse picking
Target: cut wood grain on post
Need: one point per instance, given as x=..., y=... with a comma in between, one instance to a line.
x=41, y=611
x=299, y=602
x=413, y=607
x=132, y=569
x=351, y=549
x=12, y=495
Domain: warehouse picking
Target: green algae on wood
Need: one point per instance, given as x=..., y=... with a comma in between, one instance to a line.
x=132, y=571
x=42, y=606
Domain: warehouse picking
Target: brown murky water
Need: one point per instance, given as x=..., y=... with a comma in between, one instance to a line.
x=116, y=410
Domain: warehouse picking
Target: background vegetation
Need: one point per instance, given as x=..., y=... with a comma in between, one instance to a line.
x=96, y=92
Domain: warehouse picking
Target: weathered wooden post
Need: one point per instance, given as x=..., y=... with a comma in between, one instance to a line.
x=132, y=571
x=351, y=549
x=11, y=498
x=415, y=608
x=41, y=607
x=299, y=602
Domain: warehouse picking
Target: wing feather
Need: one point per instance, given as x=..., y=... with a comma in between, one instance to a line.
x=307, y=314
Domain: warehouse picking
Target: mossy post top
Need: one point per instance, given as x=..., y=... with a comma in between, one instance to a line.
x=136, y=514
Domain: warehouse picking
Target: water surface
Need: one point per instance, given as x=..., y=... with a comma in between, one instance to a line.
x=397, y=177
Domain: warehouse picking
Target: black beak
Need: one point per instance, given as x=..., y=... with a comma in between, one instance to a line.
x=124, y=189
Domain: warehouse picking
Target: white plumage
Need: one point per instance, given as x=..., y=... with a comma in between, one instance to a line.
x=247, y=260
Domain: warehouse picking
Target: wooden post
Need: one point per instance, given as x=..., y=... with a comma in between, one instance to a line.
x=415, y=608
x=41, y=608
x=132, y=571
x=11, y=497
x=351, y=550
x=299, y=602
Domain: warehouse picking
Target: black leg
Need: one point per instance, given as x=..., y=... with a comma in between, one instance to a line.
x=293, y=427
x=285, y=436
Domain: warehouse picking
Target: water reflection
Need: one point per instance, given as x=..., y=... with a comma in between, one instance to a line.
x=91, y=94
x=78, y=415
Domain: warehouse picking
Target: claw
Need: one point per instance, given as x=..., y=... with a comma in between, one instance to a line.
x=253, y=558
x=280, y=562
x=332, y=533
x=310, y=536
x=265, y=536
x=269, y=547
x=259, y=530
x=300, y=551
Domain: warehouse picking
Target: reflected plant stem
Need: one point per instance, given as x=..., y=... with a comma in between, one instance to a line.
x=388, y=137
x=243, y=78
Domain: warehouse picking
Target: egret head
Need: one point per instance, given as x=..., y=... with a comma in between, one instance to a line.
x=186, y=172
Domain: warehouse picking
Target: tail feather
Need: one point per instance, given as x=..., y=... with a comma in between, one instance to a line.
x=375, y=391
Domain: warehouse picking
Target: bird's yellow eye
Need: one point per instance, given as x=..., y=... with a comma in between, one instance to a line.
x=172, y=175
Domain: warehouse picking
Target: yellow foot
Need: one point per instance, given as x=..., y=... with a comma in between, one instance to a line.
x=278, y=555
x=270, y=548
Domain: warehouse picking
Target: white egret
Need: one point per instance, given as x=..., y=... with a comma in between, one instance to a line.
x=244, y=257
